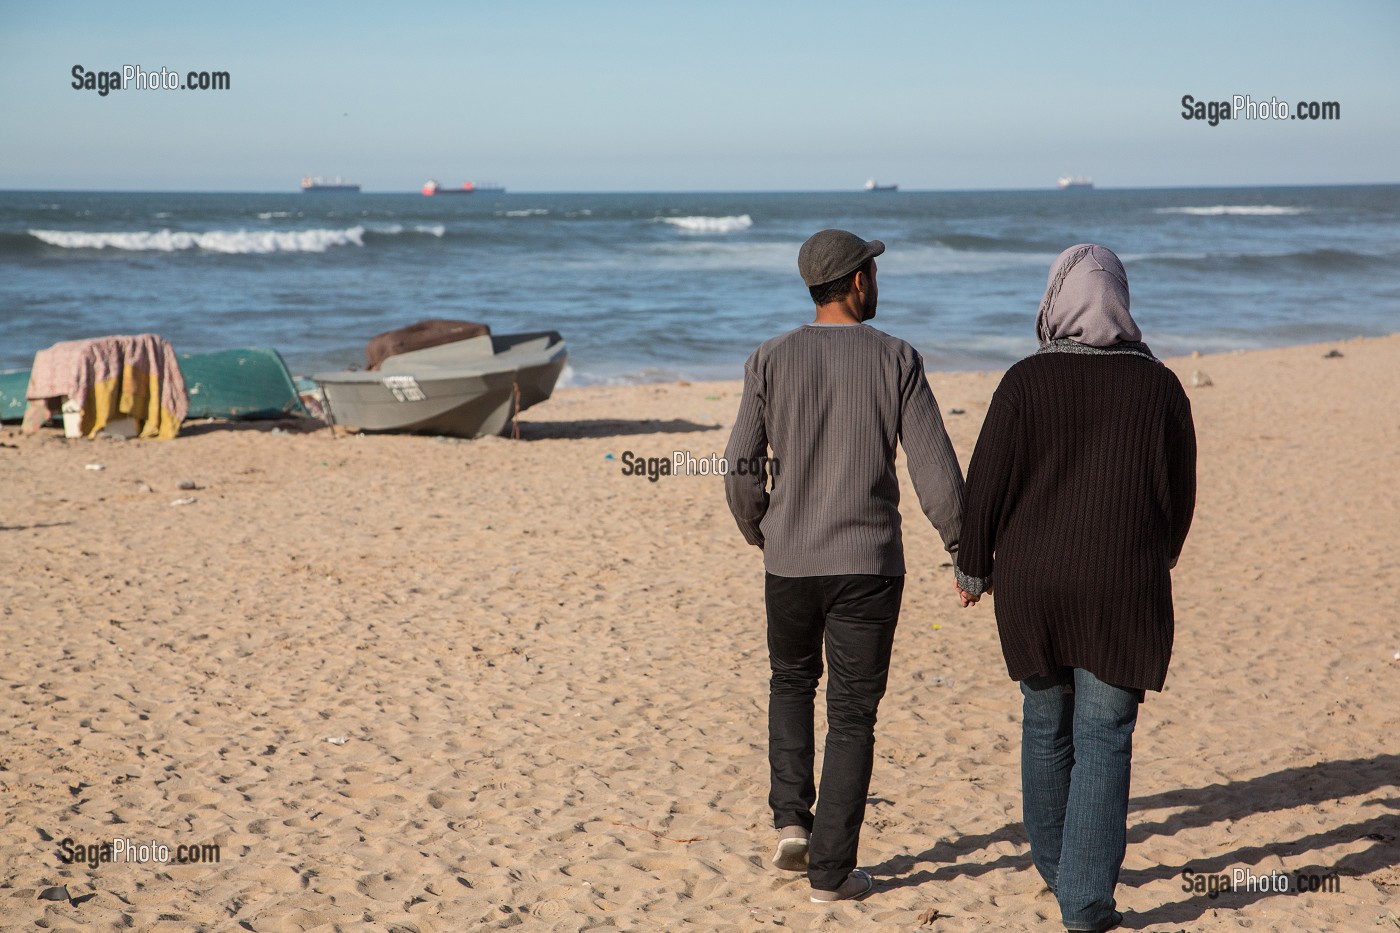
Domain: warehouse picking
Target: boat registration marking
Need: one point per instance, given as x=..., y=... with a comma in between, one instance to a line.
x=405, y=388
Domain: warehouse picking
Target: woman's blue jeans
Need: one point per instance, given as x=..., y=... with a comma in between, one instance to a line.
x=1076, y=761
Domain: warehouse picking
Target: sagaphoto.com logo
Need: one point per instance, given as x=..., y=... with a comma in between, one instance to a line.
x=134, y=77
x=1245, y=107
x=686, y=463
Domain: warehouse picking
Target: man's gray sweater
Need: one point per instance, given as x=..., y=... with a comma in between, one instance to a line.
x=828, y=403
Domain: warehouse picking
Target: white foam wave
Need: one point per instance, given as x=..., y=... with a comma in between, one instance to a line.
x=213, y=241
x=268, y=215
x=436, y=230
x=532, y=212
x=701, y=224
x=1242, y=210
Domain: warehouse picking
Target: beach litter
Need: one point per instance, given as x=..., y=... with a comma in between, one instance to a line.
x=188, y=484
x=58, y=892
x=337, y=739
x=189, y=500
x=1199, y=378
x=1332, y=355
x=94, y=467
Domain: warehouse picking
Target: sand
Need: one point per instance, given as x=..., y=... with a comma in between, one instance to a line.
x=406, y=683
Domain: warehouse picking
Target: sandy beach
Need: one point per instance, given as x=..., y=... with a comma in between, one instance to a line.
x=425, y=685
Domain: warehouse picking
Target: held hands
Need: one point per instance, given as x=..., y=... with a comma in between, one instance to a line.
x=967, y=598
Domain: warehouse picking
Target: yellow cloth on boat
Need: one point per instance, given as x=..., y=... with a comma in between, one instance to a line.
x=133, y=394
x=111, y=378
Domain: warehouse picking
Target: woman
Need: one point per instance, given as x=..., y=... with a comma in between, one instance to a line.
x=1079, y=497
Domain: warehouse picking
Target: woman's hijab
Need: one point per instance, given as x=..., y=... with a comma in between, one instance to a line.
x=1086, y=299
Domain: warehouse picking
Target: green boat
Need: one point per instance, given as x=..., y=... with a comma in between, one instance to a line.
x=237, y=385
x=13, y=384
x=240, y=385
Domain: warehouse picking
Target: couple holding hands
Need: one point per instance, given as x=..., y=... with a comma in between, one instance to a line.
x=1077, y=501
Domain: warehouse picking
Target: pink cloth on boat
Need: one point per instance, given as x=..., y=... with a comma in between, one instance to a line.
x=115, y=376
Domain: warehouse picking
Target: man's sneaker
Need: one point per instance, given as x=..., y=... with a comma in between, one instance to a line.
x=791, y=853
x=857, y=883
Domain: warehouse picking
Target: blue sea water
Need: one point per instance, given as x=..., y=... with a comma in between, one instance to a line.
x=650, y=287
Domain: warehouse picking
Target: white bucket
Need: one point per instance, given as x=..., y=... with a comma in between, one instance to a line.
x=72, y=418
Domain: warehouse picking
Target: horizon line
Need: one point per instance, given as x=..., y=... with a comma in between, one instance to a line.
x=682, y=191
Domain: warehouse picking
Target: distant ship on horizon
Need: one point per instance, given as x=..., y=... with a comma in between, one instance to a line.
x=431, y=187
x=1074, y=181
x=310, y=184
x=872, y=185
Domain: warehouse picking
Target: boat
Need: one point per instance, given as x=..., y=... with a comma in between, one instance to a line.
x=872, y=185
x=316, y=185
x=431, y=187
x=465, y=388
x=235, y=385
x=1074, y=181
x=13, y=384
x=240, y=385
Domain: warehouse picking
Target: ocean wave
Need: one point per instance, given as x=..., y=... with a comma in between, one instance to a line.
x=1241, y=210
x=701, y=224
x=436, y=230
x=268, y=215
x=1314, y=260
x=976, y=243
x=941, y=259
x=531, y=212
x=213, y=241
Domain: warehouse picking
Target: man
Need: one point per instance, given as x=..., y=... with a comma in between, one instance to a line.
x=831, y=399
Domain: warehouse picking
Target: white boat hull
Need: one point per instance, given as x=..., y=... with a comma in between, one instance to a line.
x=453, y=389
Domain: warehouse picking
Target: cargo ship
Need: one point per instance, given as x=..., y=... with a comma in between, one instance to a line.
x=431, y=188
x=1074, y=181
x=872, y=185
x=317, y=185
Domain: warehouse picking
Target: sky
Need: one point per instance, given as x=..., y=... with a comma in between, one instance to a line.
x=727, y=96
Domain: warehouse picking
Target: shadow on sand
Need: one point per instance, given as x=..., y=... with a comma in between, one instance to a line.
x=1291, y=788
x=529, y=430
x=608, y=427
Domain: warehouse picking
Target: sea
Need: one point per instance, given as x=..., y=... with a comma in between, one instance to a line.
x=660, y=287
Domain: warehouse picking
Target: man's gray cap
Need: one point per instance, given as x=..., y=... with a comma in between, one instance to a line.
x=829, y=254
